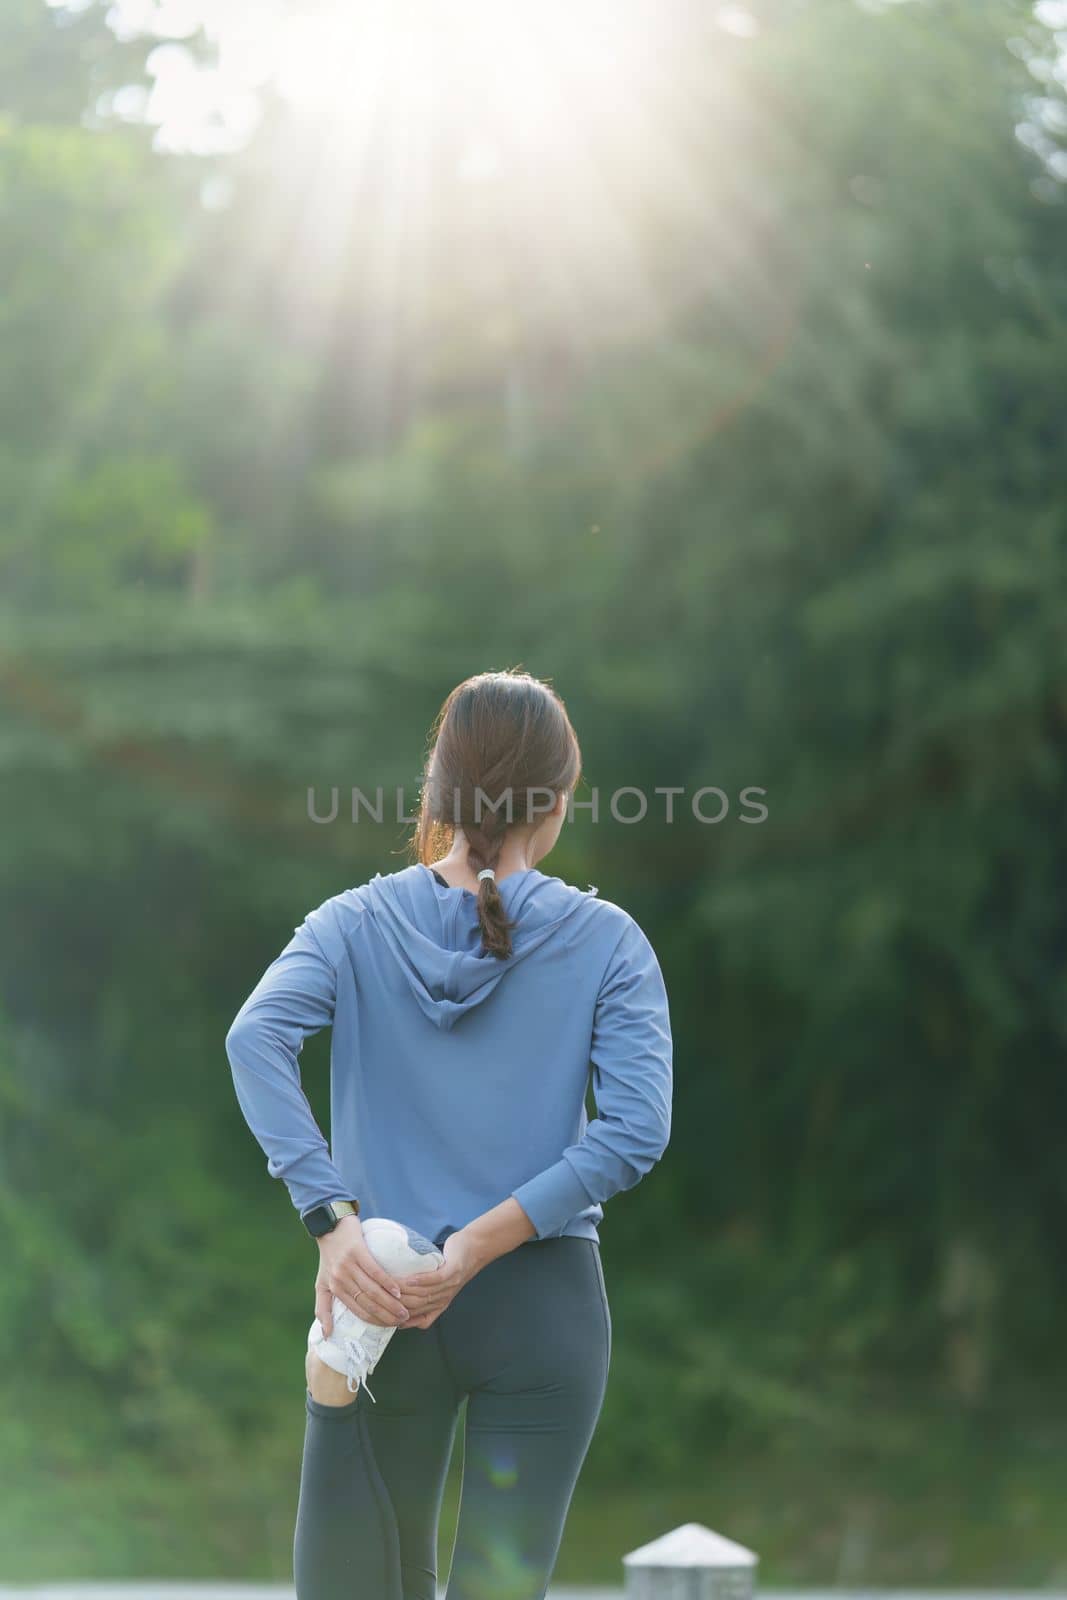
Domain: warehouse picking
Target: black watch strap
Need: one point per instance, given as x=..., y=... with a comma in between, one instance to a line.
x=323, y=1219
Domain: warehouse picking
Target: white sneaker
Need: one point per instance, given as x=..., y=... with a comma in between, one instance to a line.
x=355, y=1347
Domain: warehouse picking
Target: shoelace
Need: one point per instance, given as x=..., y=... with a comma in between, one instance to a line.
x=359, y=1360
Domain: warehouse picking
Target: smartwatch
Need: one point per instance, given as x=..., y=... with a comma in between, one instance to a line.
x=323, y=1219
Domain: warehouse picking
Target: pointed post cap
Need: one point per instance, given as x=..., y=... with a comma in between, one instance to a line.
x=691, y=1545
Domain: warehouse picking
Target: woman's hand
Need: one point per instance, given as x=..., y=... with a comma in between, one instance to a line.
x=426, y=1294
x=348, y=1270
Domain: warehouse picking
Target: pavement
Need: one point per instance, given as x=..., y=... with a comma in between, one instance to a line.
x=237, y=1591
x=281, y=1591
x=223, y=1591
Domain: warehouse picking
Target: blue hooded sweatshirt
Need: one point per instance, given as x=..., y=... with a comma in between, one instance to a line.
x=458, y=1079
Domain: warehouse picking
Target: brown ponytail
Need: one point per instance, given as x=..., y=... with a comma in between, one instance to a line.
x=499, y=743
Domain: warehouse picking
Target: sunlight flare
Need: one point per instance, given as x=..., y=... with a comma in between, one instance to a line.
x=534, y=72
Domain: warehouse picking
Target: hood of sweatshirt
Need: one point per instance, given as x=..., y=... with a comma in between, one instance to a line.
x=434, y=936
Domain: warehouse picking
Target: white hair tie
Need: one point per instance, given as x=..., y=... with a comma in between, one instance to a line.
x=486, y=872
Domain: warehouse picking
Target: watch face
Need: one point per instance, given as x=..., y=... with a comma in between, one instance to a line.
x=320, y=1220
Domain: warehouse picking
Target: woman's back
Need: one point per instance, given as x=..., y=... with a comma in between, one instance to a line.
x=459, y=1078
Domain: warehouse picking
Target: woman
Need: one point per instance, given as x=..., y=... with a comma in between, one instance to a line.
x=469, y=995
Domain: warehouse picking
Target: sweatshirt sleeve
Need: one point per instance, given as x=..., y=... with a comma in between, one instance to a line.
x=631, y=1055
x=292, y=1000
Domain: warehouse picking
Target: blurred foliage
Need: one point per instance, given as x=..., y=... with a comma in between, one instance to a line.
x=757, y=452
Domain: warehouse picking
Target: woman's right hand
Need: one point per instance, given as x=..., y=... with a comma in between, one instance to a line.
x=348, y=1270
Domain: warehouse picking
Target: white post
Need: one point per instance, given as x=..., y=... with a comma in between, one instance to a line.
x=690, y=1563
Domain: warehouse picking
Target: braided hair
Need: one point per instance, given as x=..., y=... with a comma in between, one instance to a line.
x=501, y=747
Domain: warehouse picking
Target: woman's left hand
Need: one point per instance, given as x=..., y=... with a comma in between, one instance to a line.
x=426, y=1294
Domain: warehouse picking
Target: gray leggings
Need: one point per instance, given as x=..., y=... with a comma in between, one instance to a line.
x=528, y=1343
